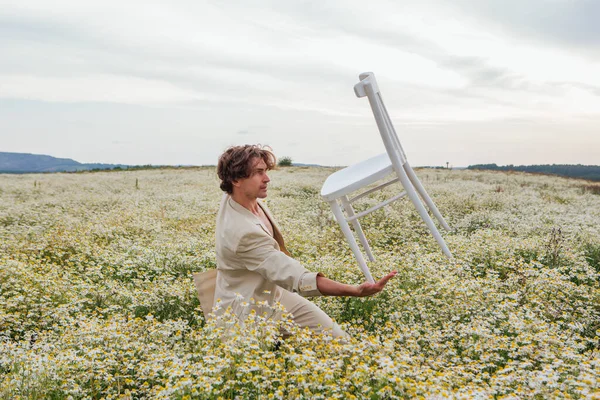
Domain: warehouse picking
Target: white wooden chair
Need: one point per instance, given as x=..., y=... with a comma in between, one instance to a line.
x=340, y=184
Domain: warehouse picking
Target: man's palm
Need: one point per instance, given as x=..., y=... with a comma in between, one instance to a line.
x=368, y=289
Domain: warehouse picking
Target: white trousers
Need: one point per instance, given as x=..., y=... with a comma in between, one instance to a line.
x=307, y=314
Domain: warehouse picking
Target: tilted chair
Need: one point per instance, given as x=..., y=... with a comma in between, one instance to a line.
x=340, y=184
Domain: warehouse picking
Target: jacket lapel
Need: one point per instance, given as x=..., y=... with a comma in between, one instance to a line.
x=244, y=211
x=276, y=233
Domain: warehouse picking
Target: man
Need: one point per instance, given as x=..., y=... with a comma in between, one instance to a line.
x=252, y=261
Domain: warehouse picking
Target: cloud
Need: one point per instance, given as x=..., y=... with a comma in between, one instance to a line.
x=571, y=23
x=93, y=88
x=213, y=67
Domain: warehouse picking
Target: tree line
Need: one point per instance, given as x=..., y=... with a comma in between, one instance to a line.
x=589, y=172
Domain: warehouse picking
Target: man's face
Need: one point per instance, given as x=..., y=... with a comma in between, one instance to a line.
x=255, y=186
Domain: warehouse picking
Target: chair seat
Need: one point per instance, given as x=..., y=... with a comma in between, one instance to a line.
x=356, y=176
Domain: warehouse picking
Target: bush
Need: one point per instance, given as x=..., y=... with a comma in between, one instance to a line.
x=285, y=162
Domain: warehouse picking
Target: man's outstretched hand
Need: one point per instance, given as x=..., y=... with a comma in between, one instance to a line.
x=330, y=287
x=368, y=289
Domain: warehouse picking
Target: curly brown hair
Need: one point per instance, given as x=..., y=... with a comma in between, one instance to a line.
x=235, y=163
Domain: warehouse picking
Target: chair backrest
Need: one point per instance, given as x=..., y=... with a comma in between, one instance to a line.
x=368, y=87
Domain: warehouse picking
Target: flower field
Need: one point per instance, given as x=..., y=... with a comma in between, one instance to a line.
x=97, y=299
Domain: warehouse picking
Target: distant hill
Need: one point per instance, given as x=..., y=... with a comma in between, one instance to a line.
x=306, y=165
x=22, y=163
x=589, y=172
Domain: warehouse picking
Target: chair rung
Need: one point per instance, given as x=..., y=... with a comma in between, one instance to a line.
x=360, y=196
x=377, y=207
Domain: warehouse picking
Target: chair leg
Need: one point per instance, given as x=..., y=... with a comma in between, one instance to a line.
x=417, y=184
x=414, y=197
x=339, y=216
x=357, y=227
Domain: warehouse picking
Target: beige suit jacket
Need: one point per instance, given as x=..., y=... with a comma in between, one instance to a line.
x=252, y=264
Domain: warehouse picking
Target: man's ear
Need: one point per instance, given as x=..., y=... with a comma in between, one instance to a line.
x=235, y=183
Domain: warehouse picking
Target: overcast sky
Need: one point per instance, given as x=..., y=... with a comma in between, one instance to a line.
x=465, y=82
